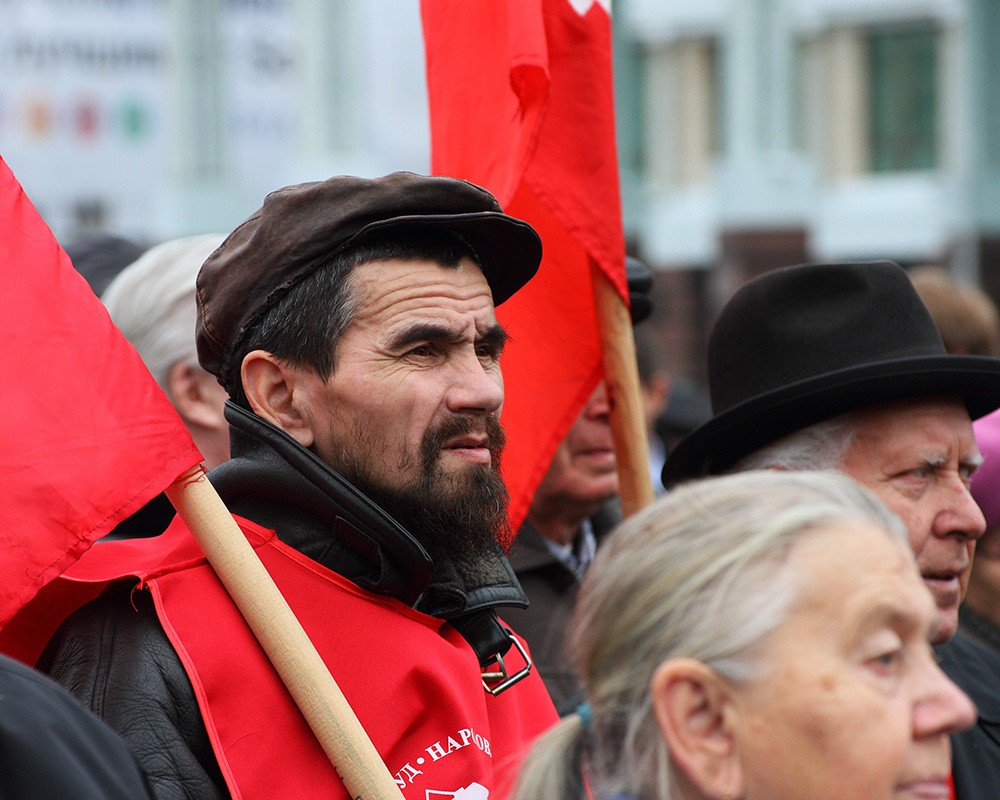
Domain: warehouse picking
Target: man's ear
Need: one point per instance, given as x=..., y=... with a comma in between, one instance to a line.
x=274, y=390
x=694, y=710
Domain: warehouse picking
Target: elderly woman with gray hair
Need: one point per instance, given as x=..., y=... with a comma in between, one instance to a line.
x=761, y=635
x=153, y=302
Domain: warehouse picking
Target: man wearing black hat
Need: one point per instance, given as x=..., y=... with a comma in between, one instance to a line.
x=840, y=366
x=352, y=323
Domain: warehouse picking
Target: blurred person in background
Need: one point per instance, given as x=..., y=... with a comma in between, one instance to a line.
x=655, y=385
x=688, y=406
x=762, y=635
x=979, y=615
x=574, y=507
x=966, y=317
x=99, y=257
x=153, y=302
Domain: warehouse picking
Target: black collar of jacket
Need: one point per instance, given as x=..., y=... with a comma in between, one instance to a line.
x=274, y=481
x=974, y=667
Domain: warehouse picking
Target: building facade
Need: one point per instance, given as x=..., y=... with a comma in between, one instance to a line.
x=760, y=133
x=161, y=118
x=752, y=133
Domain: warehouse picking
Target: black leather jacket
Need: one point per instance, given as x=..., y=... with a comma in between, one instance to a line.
x=552, y=589
x=51, y=747
x=975, y=752
x=114, y=655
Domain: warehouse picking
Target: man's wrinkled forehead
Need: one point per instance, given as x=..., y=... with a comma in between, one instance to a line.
x=933, y=430
x=409, y=300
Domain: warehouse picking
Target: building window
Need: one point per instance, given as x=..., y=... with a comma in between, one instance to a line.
x=903, y=68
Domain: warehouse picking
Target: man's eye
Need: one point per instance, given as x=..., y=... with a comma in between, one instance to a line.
x=420, y=351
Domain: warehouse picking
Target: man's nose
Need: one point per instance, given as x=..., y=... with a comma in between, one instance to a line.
x=475, y=387
x=961, y=514
x=598, y=405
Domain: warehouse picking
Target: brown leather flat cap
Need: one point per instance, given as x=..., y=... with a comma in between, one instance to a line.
x=299, y=228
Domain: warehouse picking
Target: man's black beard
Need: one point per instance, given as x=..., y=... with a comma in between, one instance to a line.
x=456, y=517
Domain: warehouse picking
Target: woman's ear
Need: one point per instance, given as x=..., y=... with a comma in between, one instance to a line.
x=197, y=396
x=274, y=390
x=695, y=712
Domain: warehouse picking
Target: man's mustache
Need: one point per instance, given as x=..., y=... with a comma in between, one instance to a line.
x=462, y=425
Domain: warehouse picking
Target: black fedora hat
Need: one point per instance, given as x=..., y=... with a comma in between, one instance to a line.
x=802, y=344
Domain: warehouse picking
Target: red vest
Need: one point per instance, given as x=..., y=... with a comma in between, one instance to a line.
x=411, y=679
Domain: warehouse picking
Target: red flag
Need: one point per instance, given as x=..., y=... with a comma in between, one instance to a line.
x=521, y=102
x=88, y=437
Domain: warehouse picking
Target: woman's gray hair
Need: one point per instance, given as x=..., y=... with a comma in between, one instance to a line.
x=819, y=446
x=700, y=573
x=153, y=302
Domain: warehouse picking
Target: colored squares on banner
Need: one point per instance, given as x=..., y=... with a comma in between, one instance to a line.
x=84, y=119
x=39, y=119
x=135, y=119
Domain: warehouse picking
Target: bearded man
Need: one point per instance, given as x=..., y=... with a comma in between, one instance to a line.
x=352, y=323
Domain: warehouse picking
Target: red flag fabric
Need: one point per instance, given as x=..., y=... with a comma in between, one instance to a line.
x=521, y=103
x=378, y=651
x=88, y=436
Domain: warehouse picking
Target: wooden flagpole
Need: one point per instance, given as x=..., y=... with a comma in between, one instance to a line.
x=628, y=422
x=281, y=636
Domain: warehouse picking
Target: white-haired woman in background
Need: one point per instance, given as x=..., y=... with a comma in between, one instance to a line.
x=153, y=302
x=758, y=636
